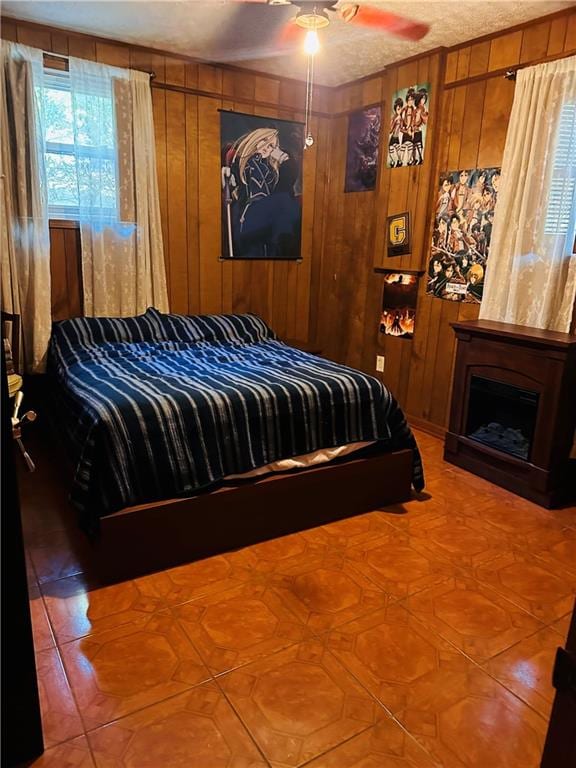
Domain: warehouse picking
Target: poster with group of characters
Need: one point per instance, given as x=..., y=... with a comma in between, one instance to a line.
x=362, y=149
x=462, y=232
x=408, y=126
x=399, y=304
x=261, y=178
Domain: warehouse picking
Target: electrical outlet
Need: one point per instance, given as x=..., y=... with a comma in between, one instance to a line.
x=380, y=363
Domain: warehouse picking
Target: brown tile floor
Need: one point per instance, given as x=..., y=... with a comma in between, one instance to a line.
x=413, y=636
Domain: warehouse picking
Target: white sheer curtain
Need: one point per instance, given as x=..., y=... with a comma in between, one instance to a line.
x=123, y=266
x=24, y=233
x=531, y=273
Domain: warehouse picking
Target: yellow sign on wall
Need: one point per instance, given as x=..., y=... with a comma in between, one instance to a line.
x=399, y=234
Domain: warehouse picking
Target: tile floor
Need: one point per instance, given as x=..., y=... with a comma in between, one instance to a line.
x=414, y=636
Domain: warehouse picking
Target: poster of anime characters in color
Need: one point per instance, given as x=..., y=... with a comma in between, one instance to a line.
x=463, y=220
x=408, y=126
x=362, y=149
x=399, y=304
x=261, y=179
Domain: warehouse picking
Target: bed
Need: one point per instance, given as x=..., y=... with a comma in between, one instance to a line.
x=165, y=416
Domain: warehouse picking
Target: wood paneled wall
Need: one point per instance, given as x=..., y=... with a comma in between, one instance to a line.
x=65, y=270
x=355, y=242
x=476, y=105
x=187, y=97
x=332, y=297
x=469, y=112
x=188, y=156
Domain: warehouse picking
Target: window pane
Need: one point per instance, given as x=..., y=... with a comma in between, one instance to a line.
x=94, y=116
x=560, y=218
x=97, y=181
x=61, y=178
x=80, y=137
x=58, y=116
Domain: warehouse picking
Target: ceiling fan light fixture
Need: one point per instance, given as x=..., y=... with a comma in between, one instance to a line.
x=315, y=20
x=311, y=22
x=311, y=43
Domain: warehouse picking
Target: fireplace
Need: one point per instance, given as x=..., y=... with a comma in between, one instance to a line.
x=502, y=416
x=513, y=410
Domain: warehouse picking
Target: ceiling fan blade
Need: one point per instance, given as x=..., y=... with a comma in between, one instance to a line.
x=369, y=16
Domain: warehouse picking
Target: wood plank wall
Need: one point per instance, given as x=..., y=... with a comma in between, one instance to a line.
x=469, y=111
x=355, y=241
x=476, y=105
x=65, y=270
x=186, y=98
x=333, y=296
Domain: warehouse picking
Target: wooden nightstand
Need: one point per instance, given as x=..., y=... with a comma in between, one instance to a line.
x=305, y=346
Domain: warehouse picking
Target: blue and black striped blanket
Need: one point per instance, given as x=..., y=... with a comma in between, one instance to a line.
x=159, y=406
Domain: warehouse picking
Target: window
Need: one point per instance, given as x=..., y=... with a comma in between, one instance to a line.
x=561, y=211
x=80, y=147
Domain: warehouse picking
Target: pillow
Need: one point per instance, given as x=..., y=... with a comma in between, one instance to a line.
x=231, y=329
x=90, y=331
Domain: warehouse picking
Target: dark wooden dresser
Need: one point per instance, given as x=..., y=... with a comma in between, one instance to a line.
x=513, y=409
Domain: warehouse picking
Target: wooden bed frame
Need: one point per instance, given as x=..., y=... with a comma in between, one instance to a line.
x=155, y=536
x=152, y=537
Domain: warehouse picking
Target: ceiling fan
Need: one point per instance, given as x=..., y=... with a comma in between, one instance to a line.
x=313, y=15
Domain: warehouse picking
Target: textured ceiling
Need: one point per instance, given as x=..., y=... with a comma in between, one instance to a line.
x=246, y=33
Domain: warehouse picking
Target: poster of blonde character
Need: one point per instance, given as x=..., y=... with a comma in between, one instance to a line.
x=261, y=181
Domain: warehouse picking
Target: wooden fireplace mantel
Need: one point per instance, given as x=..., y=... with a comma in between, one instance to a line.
x=515, y=333
x=530, y=360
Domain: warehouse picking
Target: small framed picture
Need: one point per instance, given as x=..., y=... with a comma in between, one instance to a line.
x=398, y=237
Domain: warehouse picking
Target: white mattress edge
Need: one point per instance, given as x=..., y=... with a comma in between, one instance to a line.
x=321, y=456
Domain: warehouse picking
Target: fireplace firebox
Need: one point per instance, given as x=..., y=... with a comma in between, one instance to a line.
x=513, y=409
x=502, y=416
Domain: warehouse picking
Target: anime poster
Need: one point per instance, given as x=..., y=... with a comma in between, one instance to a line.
x=399, y=304
x=462, y=231
x=261, y=175
x=362, y=150
x=408, y=126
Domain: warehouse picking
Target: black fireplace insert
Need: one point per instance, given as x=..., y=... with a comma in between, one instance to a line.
x=502, y=416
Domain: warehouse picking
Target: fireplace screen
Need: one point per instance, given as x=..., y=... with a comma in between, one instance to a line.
x=502, y=416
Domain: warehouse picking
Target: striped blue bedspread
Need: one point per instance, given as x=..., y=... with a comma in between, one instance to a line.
x=159, y=406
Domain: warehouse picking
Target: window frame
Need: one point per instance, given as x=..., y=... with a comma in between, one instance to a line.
x=563, y=177
x=56, y=77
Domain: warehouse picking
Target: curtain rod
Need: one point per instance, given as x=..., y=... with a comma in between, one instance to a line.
x=63, y=56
